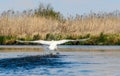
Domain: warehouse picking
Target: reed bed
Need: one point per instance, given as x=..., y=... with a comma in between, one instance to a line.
x=31, y=25
x=45, y=23
x=27, y=26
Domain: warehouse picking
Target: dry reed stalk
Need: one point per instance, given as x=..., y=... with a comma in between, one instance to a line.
x=29, y=26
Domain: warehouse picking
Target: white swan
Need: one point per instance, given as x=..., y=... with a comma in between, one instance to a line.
x=52, y=45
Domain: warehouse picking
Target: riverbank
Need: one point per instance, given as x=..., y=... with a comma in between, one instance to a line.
x=102, y=39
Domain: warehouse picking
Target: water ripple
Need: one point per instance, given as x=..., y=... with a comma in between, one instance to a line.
x=30, y=62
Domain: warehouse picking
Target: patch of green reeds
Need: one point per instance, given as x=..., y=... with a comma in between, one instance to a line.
x=7, y=40
x=102, y=39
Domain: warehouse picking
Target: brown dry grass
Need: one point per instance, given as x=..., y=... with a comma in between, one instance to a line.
x=28, y=26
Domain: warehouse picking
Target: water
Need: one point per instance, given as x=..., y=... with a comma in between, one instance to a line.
x=72, y=61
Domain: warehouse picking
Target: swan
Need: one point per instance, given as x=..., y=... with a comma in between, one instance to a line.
x=52, y=45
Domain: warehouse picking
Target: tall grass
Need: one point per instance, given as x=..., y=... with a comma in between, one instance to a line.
x=48, y=24
x=31, y=25
x=27, y=26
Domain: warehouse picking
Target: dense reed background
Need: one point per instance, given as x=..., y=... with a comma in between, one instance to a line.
x=45, y=23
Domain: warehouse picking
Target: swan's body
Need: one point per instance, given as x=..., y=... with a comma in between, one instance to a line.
x=52, y=45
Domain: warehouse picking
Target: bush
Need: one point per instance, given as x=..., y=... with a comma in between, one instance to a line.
x=47, y=11
x=2, y=39
x=7, y=40
x=36, y=37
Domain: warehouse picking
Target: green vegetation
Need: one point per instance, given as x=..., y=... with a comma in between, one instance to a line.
x=7, y=40
x=102, y=39
x=47, y=24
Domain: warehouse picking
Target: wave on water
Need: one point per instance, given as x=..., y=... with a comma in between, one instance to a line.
x=30, y=62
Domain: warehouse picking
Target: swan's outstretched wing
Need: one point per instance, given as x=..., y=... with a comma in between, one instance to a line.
x=64, y=41
x=38, y=41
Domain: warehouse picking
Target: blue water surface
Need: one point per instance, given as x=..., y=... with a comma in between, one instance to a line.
x=80, y=63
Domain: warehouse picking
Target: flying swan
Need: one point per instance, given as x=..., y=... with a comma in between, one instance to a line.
x=52, y=45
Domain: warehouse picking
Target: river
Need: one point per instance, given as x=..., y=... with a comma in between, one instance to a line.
x=86, y=60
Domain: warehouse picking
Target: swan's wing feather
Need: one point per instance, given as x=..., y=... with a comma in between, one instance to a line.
x=64, y=41
x=37, y=41
x=83, y=39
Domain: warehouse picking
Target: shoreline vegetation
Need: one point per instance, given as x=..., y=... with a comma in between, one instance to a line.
x=44, y=23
